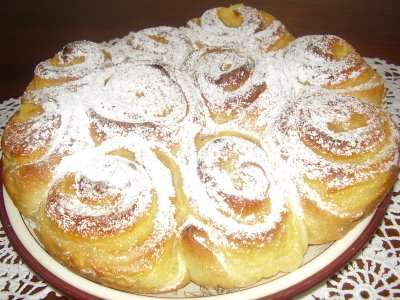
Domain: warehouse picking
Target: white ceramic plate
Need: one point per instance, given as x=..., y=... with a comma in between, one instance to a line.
x=320, y=262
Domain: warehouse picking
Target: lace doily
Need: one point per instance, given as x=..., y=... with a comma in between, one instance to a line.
x=373, y=274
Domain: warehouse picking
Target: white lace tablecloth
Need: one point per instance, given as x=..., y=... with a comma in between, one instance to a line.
x=373, y=274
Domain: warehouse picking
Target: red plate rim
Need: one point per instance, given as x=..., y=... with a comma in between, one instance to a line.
x=291, y=291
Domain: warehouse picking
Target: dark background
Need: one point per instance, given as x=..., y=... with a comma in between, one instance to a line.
x=32, y=31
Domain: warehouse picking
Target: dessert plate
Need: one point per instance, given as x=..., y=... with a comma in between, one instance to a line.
x=320, y=262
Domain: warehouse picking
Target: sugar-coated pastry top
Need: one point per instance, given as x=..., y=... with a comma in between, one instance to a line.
x=214, y=152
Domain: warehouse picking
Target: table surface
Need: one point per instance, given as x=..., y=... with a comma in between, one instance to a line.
x=32, y=31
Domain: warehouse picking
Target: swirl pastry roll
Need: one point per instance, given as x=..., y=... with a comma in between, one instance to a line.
x=240, y=226
x=239, y=26
x=341, y=153
x=145, y=99
x=27, y=144
x=74, y=61
x=330, y=62
x=168, y=44
x=233, y=84
x=110, y=215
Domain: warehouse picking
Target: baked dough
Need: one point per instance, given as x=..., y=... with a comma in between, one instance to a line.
x=215, y=152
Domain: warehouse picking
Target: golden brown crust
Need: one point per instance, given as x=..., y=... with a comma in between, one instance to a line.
x=241, y=266
x=240, y=236
x=341, y=149
x=27, y=165
x=222, y=25
x=28, y=184
x=74, y=61
x=324, y=227
x=230, y=81
x=93, y=225
x=330, y=62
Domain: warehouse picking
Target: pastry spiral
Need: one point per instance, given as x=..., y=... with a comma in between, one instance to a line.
x=330, y=62
x=241, y=227
x=110, y=215
x=36, y=139
x=27, y=157
x=230, y=82
x=74, y=61
x=342, y=155
x=144, y=99
x=168, y=44
x=237, y=26
x=238, y=89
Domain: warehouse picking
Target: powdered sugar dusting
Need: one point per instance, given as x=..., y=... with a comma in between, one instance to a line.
x=225, y=78
x=252, y=33
x=313, y=61
x=328, y=137
x=89, y=54
x=229, y=171
x=112, y=192
x=164, y=88
x=128, y=95
x=168, y=43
